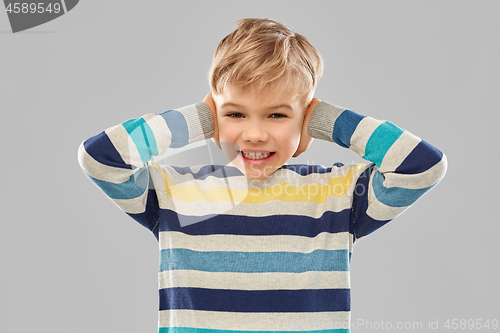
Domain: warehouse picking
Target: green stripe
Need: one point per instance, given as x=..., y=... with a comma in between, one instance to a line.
x=380, y=141
x=254, y=262
x=298, y=324
x=143, y=138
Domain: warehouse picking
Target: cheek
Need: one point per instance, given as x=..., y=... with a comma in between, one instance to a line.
x=296, y=134
x=225, y=132
x=228, y=136
x=289, y=142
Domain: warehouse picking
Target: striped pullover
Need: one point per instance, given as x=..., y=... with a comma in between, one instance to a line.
x=268, y=255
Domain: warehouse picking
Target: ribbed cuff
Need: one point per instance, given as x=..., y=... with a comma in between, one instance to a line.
x=206, y=119
x=199, y=121
x=323, y=119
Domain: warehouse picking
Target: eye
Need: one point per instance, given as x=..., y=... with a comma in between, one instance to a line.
x=234, y=115
x=278, y=115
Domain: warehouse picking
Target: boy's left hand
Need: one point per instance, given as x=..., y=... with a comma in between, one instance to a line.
x=305, y=138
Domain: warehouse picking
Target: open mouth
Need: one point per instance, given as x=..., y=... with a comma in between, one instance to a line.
x=256, y=155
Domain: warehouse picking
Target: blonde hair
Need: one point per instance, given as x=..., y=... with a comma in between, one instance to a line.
x=262, y=51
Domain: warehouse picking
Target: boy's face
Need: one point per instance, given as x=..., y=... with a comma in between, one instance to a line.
x=258, y=132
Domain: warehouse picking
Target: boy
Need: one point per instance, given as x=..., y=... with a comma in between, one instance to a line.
x=259, y=245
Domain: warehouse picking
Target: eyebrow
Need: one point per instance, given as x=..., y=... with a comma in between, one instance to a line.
x=230, y=104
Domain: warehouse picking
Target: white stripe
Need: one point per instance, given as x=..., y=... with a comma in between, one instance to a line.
x=362, y=134
x=194, y=212
x=133, y=206
x=163, y=159
x=417, y=181
x=244, y=243
x=251, y=321
x=397, y=153
x=160, y=130
x=254, y=281
x=125, y=146
x=101, y=171
x=382, y=212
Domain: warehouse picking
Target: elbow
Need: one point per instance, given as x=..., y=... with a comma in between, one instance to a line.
x=81, y=155
x=84, y=158
x=441, y=168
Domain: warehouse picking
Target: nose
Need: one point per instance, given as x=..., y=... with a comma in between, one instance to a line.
x=255, y=132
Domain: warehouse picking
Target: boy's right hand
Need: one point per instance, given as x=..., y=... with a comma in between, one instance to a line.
x=211, y=104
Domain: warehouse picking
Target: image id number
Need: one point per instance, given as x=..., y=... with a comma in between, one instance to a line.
x=24, y=7
x=462, y=324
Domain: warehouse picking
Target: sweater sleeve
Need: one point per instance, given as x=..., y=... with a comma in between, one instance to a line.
x=116, y=160
x=403, y=167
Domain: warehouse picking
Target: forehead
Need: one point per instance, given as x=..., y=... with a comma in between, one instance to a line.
x=270, y=94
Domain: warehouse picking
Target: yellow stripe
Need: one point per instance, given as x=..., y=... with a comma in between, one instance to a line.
x=318, y=193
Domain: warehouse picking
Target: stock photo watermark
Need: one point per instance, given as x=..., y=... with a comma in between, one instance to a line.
x=24, y=15
x=430, y=324
x=228, y=189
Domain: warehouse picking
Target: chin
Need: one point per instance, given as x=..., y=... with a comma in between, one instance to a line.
x=256, y=176
x=252, y=173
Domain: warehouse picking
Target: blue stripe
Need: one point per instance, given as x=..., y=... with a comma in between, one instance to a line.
x=224, y=171
x=380, y=141
x=395, y=196
x=143, y=137
x=298, y=225
x=178, y=127
x=103, y=151
x=217, y=171
x=363, y=224
x=134, y=187
x=207, y=330
x=254, y=262
x=301, y=300
x=422, y=158
x=344, y=127
x=149, y=218
x=306, y=169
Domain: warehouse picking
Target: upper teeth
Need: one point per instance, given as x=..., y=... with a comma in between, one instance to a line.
x=255, y=155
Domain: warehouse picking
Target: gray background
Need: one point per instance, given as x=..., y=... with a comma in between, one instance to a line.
x=71, y=260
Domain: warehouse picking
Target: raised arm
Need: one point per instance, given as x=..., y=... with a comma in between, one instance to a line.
x=116, y=160
x=403, y=168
